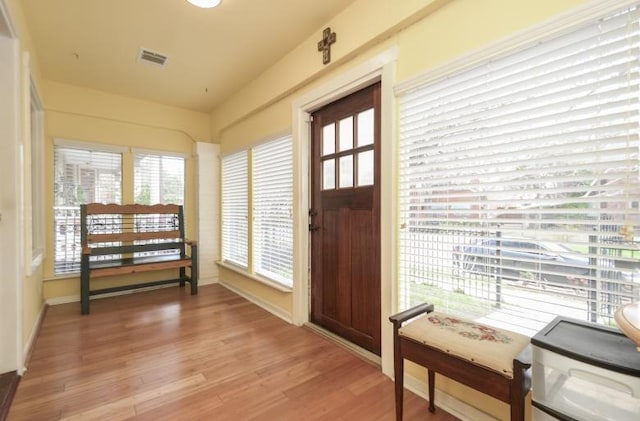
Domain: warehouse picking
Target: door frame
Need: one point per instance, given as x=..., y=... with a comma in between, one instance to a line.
x=382, y=68
x=11, y=224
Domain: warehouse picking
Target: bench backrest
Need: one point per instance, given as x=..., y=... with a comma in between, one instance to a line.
x=124, y=229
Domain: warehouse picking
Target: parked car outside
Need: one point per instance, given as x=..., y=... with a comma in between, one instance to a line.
x=524, y=260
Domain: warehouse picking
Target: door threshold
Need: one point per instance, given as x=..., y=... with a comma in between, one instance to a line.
x=350, y=346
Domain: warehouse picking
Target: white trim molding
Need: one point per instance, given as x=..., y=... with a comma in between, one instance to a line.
x=34, y=180
x=12, y=203
x=158, y=152
x=379, y=68
x=77, y=144
x=207, y=205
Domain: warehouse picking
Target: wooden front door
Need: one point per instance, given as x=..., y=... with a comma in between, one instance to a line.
x=345, y=218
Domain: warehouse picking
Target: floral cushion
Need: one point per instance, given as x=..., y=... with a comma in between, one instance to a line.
x=480, y=344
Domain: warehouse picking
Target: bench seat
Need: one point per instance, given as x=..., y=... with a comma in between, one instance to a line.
x=473, y=342
x=110, y=267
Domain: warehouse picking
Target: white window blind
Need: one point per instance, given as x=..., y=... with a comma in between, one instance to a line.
x=235, y=209
x=80, y=176
x=158, y=179
x=272, y=173
x=519, y=182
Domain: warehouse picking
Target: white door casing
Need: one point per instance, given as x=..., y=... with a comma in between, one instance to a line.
x=379, y=68
x=11, y=300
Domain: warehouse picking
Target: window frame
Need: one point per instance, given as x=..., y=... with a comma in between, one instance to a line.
x=35, y=181
x=250, y=269
x=260, y=267
x=37, y=177
x=83, y=146
x=232, y=254
x=161, y=154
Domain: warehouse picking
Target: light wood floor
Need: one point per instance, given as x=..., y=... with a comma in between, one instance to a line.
x=165, y=355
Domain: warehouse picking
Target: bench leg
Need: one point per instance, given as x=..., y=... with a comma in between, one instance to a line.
x=194, y=270
x=432, y=390
x=183, y=273
x=194, y=283
x=84, y=287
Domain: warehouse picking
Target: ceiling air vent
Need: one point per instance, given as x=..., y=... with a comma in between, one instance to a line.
x=148, y=56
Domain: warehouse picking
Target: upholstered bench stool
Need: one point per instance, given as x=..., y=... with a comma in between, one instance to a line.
x=493, y=361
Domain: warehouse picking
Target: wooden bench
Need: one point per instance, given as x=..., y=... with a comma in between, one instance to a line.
x=493, y=361
x=128, y=239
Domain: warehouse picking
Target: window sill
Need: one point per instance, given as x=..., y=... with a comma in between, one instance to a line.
x=273, y=284
x=63, y=276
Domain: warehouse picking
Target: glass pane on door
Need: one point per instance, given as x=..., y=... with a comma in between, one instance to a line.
x=365, y=128
x=365, y=168
x=346, y=134
x=329, y=139
x=329, y=174
x=346, y=171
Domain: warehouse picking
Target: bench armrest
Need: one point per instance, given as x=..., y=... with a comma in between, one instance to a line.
x=399, y=318
x=190, y=242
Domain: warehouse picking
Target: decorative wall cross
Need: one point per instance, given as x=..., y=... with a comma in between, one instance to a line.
x=324, y=44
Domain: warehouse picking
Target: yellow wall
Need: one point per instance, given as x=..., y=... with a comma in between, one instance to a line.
x=80, y=114
x=464, y=26
x=427, y=35
x=360, y=27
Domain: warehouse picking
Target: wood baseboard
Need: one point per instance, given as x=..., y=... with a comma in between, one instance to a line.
x=8, y=386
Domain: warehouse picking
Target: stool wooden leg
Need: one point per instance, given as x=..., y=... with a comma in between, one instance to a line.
x=520, y=384
x=432, y=389
x=398, y=357
x=398, y=371
x=517, y=411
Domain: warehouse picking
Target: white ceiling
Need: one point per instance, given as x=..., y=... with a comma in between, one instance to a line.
x=212, y=52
